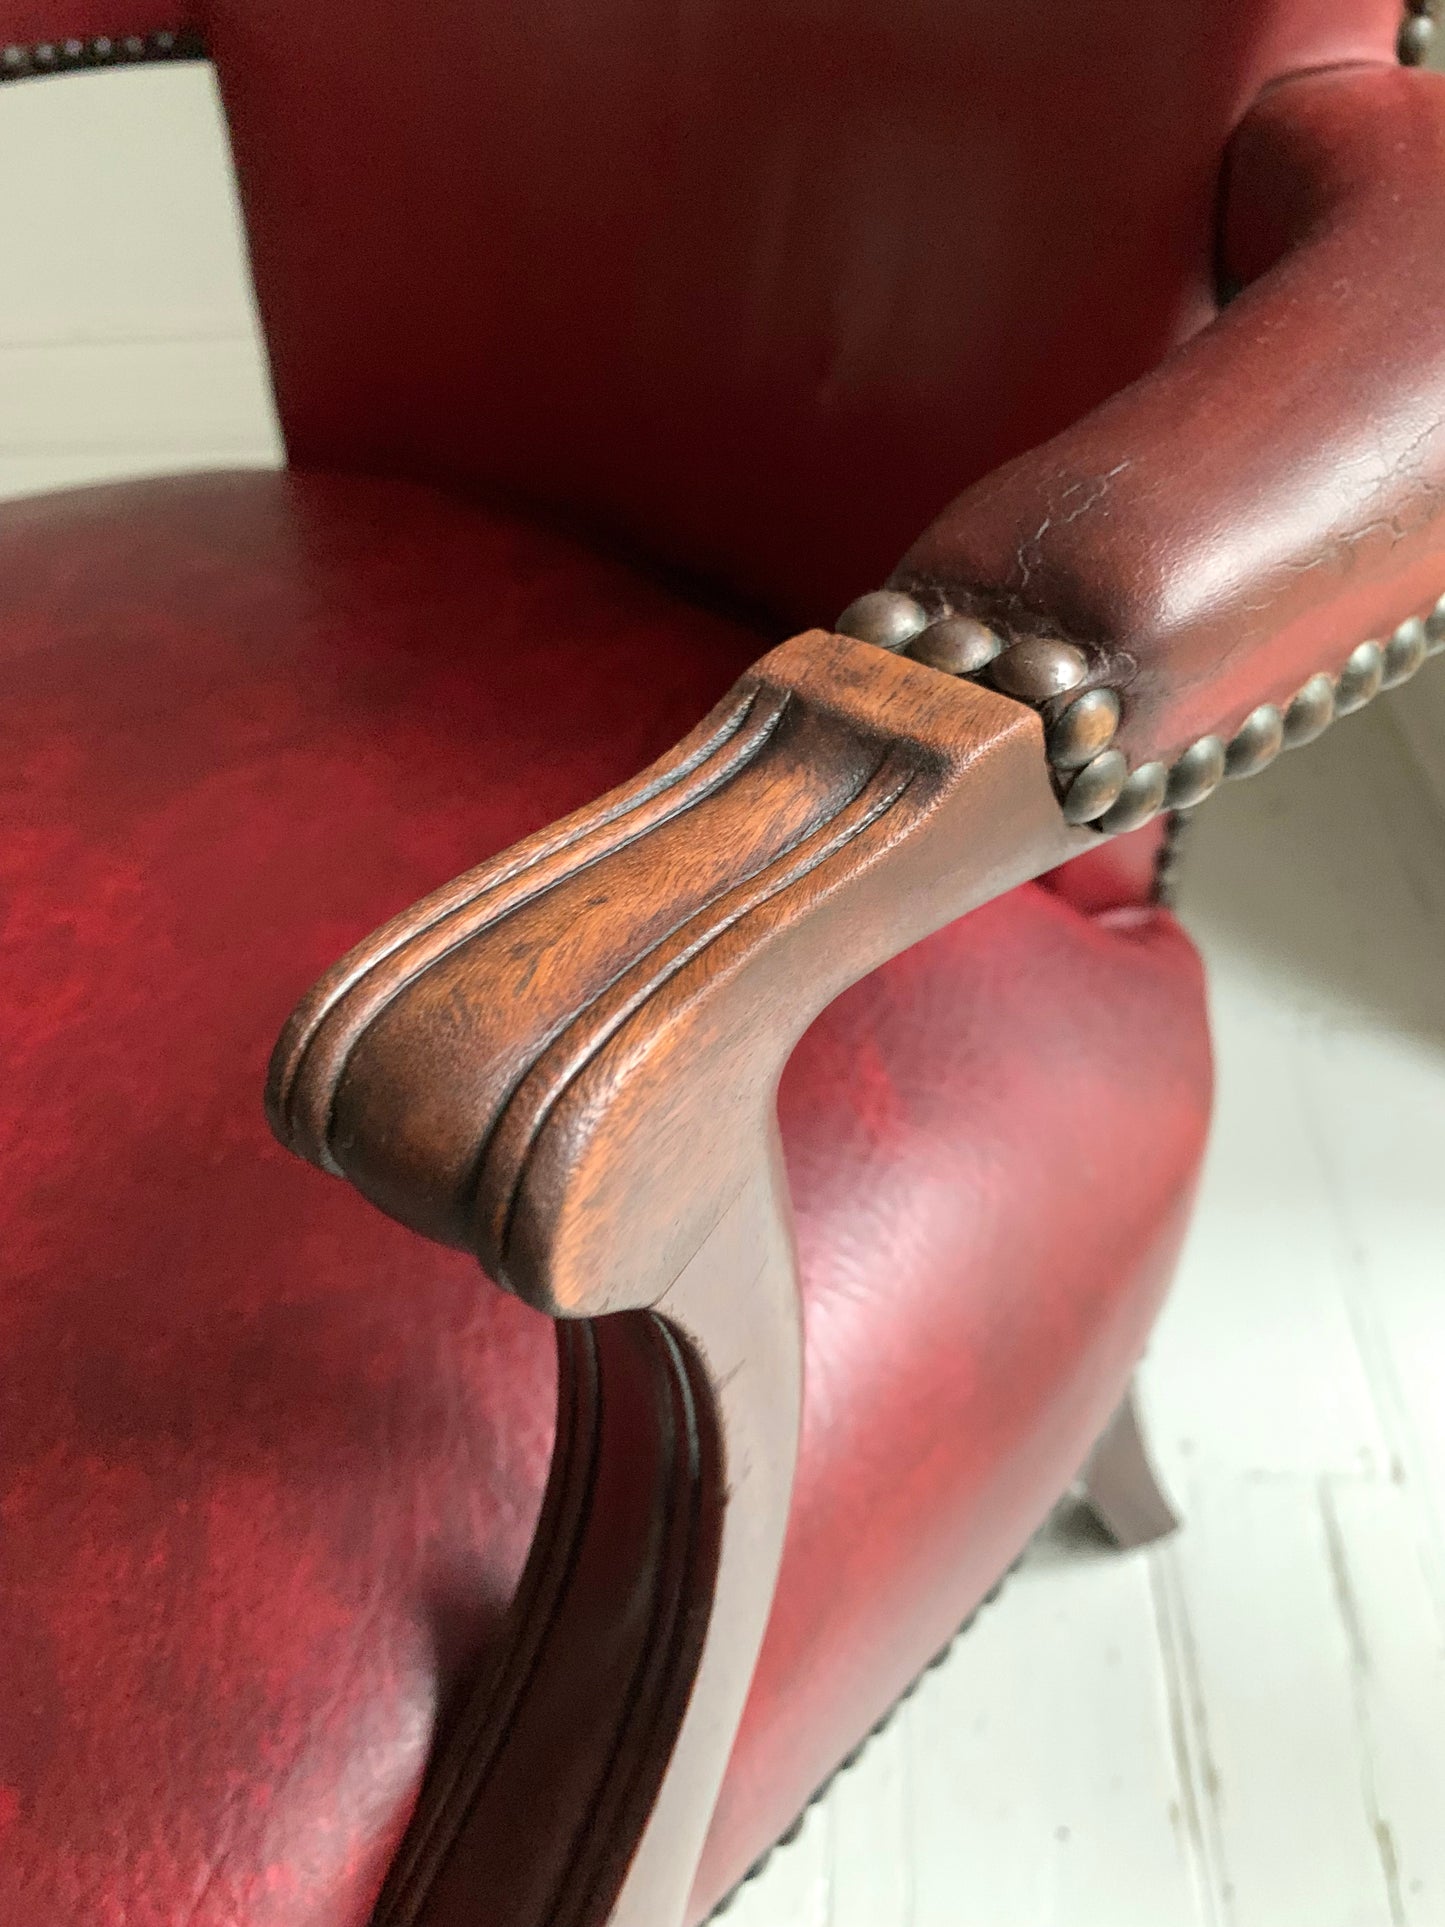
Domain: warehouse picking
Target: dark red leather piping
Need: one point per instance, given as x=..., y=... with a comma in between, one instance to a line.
x=76, y=53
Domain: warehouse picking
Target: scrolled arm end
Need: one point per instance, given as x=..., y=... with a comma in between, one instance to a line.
x=565, y=1061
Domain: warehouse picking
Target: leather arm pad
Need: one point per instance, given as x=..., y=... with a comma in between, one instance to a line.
x=1271, y=494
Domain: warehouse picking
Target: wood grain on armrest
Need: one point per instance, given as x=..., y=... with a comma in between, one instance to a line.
x=571, y=1023
x=566, y=1063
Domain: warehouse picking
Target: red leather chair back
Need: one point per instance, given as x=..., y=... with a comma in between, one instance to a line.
x=753, y=285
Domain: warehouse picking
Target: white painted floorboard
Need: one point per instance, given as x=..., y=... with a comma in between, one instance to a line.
x=1245, y=1728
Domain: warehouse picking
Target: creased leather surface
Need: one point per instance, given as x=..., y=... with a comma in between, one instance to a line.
x=269, y=1463
x=759, y=286
x=1269, y=497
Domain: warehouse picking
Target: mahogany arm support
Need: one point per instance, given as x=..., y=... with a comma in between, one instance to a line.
x=1270, y=496
x=566, y=1063
x=530, y=1063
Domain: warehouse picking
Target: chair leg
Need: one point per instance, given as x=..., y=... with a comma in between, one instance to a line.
x=1120, y=1487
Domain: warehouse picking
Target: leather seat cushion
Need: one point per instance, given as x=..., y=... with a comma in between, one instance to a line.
x=269, y=1464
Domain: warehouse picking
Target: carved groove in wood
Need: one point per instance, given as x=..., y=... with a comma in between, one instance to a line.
x=566, y=1063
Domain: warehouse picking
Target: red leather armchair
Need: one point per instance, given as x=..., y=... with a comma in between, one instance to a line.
x=824, y=1103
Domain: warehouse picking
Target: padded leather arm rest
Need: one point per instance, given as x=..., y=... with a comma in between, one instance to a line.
x=1271, y=495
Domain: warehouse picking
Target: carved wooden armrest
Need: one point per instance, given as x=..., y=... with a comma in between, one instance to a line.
x=566, y=1063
